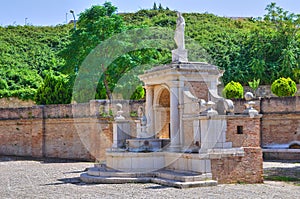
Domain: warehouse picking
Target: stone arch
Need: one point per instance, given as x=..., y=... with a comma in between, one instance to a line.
x=162, y=113
x=294, y=145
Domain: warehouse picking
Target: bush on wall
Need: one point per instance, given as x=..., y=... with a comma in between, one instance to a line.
x=284, y=87
x=233, y=90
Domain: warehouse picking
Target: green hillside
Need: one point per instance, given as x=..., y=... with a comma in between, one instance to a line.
x=26, y=52
x=266, y=48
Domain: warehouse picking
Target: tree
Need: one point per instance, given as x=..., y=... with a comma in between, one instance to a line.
x=100, y=45
x=94, y=26
x=160, y=7
x=54, y=90
x=154, y=6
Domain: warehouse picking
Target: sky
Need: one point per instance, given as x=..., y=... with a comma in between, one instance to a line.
x=54, y=12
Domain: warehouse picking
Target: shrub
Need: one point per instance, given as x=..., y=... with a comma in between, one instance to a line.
x=54, y=90
x=284, y=87
x=233, y=90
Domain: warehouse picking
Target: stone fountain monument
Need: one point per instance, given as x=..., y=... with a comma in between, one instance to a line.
x=187, y=135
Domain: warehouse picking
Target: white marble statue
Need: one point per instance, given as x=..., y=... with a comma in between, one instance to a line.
x=119, y=112
x=179, y=32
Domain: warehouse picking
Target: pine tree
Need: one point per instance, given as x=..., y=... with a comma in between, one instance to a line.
x=154, y=6
x=160, y=7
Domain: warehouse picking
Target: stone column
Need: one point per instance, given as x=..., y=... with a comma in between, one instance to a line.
x=174, y=117
x=149, y=110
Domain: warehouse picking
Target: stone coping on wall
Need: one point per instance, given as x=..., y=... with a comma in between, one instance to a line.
x=219, y=117
x=95, y=108
x=282, y=151
x=281, y=154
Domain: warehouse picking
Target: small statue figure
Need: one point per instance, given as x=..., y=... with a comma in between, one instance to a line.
x=143, y=119
x=142, y=116
x=179, y=32
x=119, y=112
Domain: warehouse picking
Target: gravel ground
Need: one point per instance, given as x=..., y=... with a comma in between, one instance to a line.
x=59, y=179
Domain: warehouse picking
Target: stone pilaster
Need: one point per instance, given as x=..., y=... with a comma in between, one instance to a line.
x=174, y=116
x=149, y=110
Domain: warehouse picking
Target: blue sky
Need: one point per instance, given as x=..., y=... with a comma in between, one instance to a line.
x=53, y=12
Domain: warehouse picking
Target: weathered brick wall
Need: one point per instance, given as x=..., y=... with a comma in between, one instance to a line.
x=239, y=105
x=251, y=131
x=280, y=123
x=246, y=169
x=280, y=128
x=21, y=137
x=80, y=138
x=265, y=91
x=198, y=89
x=60, y=131
x=24, y=131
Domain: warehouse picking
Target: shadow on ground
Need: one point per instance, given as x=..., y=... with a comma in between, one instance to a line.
x=286, y=174
x=41, y=160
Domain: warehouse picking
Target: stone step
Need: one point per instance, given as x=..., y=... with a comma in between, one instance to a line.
x=107, y=173
x=112, y=180
x=183, y=176
x=179, y=179
x=182, y=185
x=162, y=181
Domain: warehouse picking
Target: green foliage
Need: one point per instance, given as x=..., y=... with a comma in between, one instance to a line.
x=245, y=48
x=233, y=90
x=95, y=25
x=25, y=52
x=54, y=90
x=254, y=85
x=284, y=87
x=138, y=94
x=265, y=48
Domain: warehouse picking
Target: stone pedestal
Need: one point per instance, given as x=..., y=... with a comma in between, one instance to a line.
x=121, y=132
x=213, y=134
x=179, y=55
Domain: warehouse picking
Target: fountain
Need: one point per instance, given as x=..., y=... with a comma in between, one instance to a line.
x=144, y=142
x=182, y=132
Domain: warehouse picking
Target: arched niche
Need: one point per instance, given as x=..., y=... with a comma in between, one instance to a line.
x=162, y=113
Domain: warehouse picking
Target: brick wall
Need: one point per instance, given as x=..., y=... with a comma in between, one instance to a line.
x=60, y=131
x=251, y=132
x=25, y=131
x=198, y=89
x=246, y=169
x=280, y=123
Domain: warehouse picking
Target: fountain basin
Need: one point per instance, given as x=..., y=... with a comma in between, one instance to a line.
x=144, y=145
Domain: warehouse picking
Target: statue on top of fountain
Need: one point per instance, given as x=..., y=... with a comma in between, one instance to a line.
x=179, y=32
x=179, y=54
